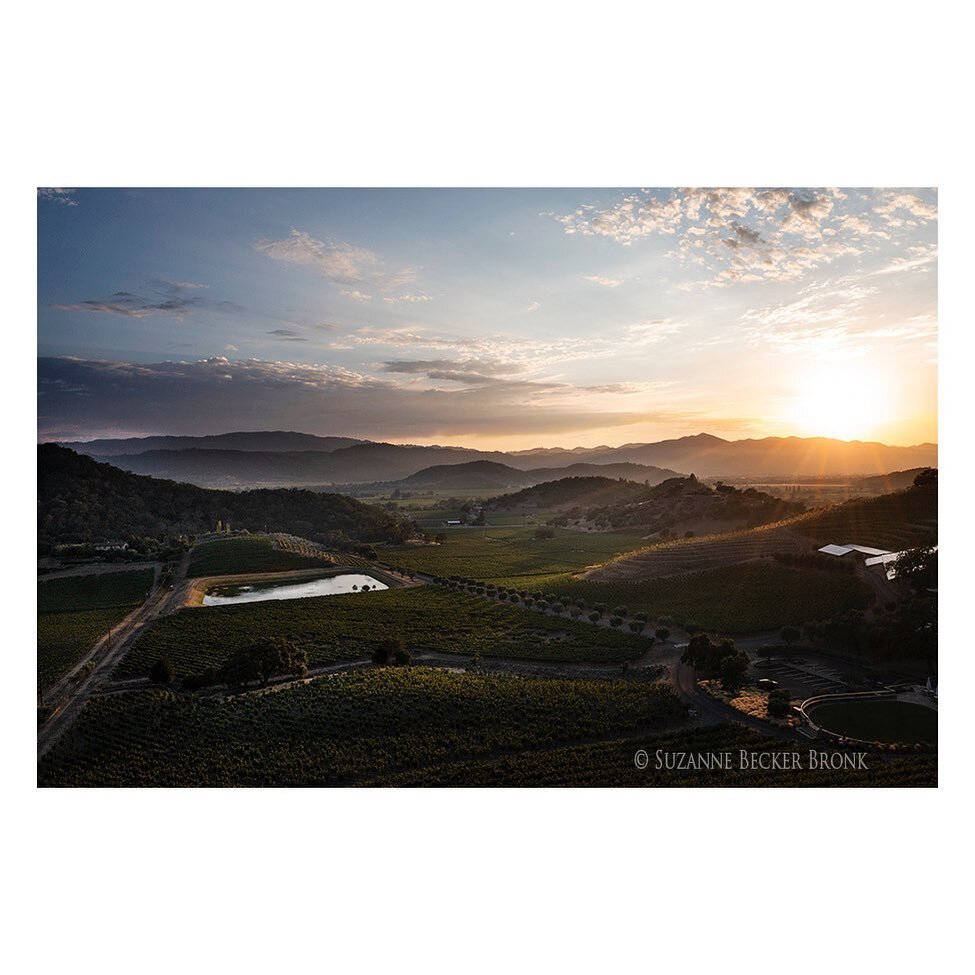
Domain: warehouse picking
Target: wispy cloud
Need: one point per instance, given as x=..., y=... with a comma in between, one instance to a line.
x=337, y=260
x=604, y=281
x=57, y=194
x=160, y=297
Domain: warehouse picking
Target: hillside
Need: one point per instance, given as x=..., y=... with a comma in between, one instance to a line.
x=892, y=521
x=486, y=475
x=271, y=441
x=676, y=506
x=888, y=483
x=82, y=501
x=570, y=492
x=294, y=459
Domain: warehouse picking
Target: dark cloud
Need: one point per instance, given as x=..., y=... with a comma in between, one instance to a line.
x=287, y=334
x=159, y=297
x=86, y=398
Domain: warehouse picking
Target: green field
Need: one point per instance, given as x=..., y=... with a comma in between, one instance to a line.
x=745, y=598
x=611, y=764
x=236, y=556
x=331, y=731
x=887, y=721
x=502, y=554
x=74, y=611
x=346, y=627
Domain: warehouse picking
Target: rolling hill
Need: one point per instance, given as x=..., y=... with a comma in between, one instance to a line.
x=83, y=501
x=290, y=459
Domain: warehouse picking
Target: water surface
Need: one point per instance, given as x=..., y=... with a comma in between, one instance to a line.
x=259, y=591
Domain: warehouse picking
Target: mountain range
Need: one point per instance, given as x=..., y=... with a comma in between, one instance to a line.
x=284, y=459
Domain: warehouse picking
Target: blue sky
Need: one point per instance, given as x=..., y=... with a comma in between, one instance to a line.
x=508, y=318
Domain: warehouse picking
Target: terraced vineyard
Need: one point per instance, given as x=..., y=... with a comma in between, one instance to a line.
x=310, y=550
x=706, y=552
x=331, y=731
x=611, y=764
x=249, y=553
x=502, y=554
x=345, y=627
x=75, y=611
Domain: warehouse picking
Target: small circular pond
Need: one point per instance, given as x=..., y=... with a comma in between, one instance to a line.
x=886, y=721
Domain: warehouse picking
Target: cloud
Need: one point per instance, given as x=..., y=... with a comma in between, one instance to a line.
x=355, y=295
x=79, y=397
x=833, y=320
x=336, y=260
x=605, y=282
x=412, y=298
x=740, y=235
x=57, y=194
x=533, y=306
x=472, y=371
x=159, y=297
x=288, y=334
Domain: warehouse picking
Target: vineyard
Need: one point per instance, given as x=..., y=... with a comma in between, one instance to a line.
x=345, y=627
x=361, y=724
x=312, y=550
x=706, y=552
x=744, y=598
x=611, y=764
x=73, y=612
x=253, y=553
x=499, y=554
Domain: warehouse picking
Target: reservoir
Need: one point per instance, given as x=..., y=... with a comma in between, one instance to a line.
x=259, y=591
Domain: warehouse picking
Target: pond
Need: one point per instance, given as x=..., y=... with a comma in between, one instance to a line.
x=878, y=720
x=260, y=591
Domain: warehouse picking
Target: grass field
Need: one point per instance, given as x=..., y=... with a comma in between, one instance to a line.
x=501, y=554
x=73, y=612
x=359, y=724
x=744, y=598
x=234, y=556
x=344, y=627
x=886, y=721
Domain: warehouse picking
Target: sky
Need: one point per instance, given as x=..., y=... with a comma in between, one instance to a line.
x=497, y=319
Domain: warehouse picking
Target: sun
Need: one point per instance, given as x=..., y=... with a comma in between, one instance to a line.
x=843, y=403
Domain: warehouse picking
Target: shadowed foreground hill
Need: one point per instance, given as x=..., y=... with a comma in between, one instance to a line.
x=80, y=500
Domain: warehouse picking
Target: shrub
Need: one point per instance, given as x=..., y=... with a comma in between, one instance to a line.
x=162, y=671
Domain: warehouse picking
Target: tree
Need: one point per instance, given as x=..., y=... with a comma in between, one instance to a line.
x=732, y=670
x=779, y=703
x=441, y=538
x=789, y=634
x=918, y=567
x=391, y=652
x=162, y=671
x=263, y=660
x=766, y=651
x=662, y=633
x=543, y=533
x=927, y=478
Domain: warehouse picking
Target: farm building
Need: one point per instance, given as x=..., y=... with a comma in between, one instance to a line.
x=875, y=556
